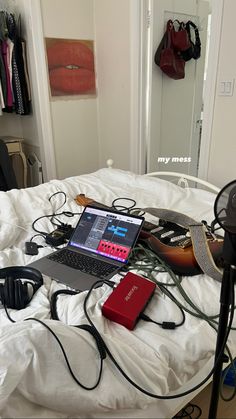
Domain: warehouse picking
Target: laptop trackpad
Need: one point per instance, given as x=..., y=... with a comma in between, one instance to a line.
x=61, y=273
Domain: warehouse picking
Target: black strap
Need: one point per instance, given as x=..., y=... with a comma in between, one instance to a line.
x=7, y=174
x=196, y=52
x=88, y=328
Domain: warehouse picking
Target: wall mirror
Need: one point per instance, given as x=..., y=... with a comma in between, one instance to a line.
x=175, y=109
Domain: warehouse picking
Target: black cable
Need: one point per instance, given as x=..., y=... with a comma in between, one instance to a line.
x=43, y=233
x=188, y=411
x=102, y=347
x=39, y=246
x=83, y=327
x=120, y=207
x=66, y=358
x=56, y=193
x=36, y=235
x=65, y=198
x=53, y=302
x=65, y=213
x=55, y=214
x=148, y=393
x=165, y=324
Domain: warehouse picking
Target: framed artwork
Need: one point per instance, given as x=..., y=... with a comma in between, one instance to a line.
x=70, y=67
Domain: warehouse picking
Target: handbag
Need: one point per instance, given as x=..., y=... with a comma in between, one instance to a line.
x=171, y=63
x=180, y=38
x=194, y=51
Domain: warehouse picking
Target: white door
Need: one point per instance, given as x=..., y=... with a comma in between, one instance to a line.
x=175, y=106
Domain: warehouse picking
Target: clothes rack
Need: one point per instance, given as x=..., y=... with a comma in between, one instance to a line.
x=14, y=79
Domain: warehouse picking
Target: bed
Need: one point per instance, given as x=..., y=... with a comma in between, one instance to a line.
x=35, y=380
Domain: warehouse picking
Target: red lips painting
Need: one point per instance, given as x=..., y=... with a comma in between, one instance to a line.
x=70, y=67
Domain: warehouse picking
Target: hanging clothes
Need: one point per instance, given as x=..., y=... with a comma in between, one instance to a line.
x=3, y=36
x=13, y=67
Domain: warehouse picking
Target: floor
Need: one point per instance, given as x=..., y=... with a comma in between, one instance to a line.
x=226, y=410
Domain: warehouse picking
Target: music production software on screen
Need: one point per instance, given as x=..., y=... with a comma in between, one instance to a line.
x=108, y=234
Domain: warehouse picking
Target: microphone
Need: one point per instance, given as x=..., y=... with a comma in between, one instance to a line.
x=231, y=212
x=225, y=214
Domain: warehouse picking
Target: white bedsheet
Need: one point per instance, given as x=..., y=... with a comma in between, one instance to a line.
x=34, y=378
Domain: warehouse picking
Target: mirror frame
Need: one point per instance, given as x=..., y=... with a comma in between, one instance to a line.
x=145, y=58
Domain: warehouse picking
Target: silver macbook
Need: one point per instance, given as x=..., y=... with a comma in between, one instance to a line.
x=98, y=248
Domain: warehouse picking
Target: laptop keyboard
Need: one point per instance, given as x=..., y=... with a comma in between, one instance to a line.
x=83, y=263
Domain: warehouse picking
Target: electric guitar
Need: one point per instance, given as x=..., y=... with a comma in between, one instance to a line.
x=170, y=242
x=173, y=245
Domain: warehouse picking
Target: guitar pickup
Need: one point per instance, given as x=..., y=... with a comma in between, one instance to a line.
x=167, y=234
x=155, y=230
x=177, y=238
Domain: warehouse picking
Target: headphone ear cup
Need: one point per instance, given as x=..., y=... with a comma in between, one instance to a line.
x=2, y=296
x=17, y=297
x=15, y=293
x=25, y=294
x=9, y=292
x=21, y=295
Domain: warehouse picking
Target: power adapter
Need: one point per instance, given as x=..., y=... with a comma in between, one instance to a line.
x=67, y=229
x=128, y=300
x=56, y=238
x=60, y=235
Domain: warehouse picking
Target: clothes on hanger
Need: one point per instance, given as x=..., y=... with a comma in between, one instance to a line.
x=15, y=93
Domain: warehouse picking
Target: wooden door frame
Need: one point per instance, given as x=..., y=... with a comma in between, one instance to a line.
x=141, y=82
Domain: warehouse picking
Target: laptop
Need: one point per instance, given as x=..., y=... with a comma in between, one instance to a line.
x=99, y=247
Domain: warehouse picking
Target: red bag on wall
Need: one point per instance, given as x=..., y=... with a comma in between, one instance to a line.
x=170, y=61
x=180, y=37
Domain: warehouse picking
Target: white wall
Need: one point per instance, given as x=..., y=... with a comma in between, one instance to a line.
x=74, y=121
x=89, y=131
x=84, y=133
x=113, y=50
x=222, y=167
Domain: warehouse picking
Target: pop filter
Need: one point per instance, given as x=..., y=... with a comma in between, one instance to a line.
x=225, y=207
x=225, y=214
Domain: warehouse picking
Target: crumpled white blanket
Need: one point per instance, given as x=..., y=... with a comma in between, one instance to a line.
x=34, y=378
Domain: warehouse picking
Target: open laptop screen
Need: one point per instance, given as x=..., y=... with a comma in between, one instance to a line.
x=107, y=233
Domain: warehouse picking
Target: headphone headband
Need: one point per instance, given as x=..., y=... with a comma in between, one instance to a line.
x=14, y=292
x=25, y=272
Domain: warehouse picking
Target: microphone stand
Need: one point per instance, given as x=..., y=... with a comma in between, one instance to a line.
x=227, y=288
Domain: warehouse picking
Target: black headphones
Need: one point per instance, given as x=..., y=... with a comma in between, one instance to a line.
x=14, y=293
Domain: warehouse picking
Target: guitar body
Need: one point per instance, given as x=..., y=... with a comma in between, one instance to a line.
x=179, y=258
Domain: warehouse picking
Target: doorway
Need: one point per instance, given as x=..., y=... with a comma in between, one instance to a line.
x=172, y=111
